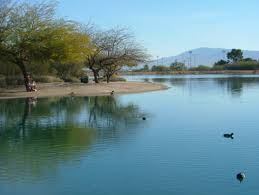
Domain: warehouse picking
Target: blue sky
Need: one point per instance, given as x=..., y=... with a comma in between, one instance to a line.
x=169, y=27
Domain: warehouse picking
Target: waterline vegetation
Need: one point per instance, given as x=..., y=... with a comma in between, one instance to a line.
x=235, y=62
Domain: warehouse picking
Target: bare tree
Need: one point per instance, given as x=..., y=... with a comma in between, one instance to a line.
x=98, y=45
x=114, y=49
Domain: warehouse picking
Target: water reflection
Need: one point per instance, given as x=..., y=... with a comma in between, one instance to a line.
x=233, y=85
x=38, y=135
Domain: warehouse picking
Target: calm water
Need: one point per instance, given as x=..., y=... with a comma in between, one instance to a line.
x=100, y=145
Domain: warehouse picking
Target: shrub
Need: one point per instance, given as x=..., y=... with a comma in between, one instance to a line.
x=2, y=81
x=14, y=80
x=160, y=68
x=178, y=66
x=243, y=65
x=117, y=79
x=218, y=67
x=114, y=78
x=201, y=68
x=221, y=62
x=46, y=79
x=71, y=80
x=84, y=79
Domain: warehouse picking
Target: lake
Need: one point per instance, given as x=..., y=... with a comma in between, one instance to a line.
x=101, y=145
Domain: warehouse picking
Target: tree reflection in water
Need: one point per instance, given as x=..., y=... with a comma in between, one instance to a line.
x=38, y=135
x=233, y=85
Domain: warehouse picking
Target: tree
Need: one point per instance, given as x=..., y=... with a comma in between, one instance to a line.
x=178, y=66
x=72, y=48
x=146, y=67
x=235, y=55
x=221, y=62
x=249, y=60
x=112, y=50
x=160, y=68
x=32, y=36
x=97, y=45
x=201, y=68
x=5, y=9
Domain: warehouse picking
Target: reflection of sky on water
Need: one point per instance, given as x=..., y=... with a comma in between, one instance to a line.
x=100, y=145
x=232, y=84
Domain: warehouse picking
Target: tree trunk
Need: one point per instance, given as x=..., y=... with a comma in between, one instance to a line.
x=25, y=75
x=108, y=78
x=96, y=75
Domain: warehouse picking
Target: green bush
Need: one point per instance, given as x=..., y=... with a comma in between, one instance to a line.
x=218, y=67
x=71, y=80
x=243, y=65
x=178, y=66
x=14, y=80
x=114, y=78
x=201, y=68
x=117, y=79
x=160, y=68
x=47, y=79
x=2, y=81
x=84, y=79
x=221, y=62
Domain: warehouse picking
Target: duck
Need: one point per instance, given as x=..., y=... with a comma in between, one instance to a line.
x=241, y=176
x=72, y=94
x=143, y=118
x=229, y=135
x=112, y=93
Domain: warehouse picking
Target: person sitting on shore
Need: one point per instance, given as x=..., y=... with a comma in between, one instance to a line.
x=32, y=85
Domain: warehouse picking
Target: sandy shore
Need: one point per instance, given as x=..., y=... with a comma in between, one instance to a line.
x=67, y=89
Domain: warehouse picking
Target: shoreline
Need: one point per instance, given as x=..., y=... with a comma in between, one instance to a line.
x=91, y=89
x=231, y=72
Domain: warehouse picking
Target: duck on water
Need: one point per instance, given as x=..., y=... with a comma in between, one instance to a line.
x=241, y=177
x=229, y=135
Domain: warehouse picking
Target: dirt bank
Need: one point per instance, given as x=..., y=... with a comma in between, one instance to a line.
x=66, y=89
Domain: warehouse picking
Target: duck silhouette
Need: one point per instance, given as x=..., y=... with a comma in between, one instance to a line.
x=229, y=135
x=240, y=177
x=72, y=94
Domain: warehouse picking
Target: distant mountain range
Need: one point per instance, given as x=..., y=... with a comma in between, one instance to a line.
x=201, y=56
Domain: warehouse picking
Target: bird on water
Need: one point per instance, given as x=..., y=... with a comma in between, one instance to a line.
x=240, y=177
x=229, y=135
x=72, y=94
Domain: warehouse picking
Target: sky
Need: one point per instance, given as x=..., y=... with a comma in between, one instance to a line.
x=169, y=27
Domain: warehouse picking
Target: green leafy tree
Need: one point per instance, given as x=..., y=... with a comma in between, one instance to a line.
x=146, y=67
x=201, y=68
x=249, y=60
x=32, y=36
x=160, y=68
x=235, y=55
x=178, y=66
x=221, y=62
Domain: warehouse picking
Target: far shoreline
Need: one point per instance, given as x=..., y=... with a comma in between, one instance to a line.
x=188, y=72
x=77, y=89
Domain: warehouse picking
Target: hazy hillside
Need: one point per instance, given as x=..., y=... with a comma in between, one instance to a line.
x=201, y=56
